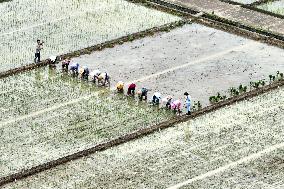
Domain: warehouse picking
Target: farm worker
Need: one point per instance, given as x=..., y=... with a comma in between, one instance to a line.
x=142, y=94
x=169, y=101
x=176, y=106
x=119, y=86
x=94, y=75
x=156, y=98
x=85, y=73
x=74, y=67
x=164, y=101
x=39, y=47
x=187, y=103
x=103, y=78
x=65, y=64
x=131, y=89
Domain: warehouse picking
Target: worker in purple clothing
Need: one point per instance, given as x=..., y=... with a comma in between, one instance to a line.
x=187, y=103
x=39, y=47
x=74, y=68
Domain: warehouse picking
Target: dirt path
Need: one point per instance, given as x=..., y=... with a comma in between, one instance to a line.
x=236, y=13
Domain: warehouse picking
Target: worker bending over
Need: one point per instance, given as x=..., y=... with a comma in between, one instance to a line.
x=156, y=98
x=65, y=64
x=169, y=101
x=84, y=73
x=74, y=68
x=94, y=75
x=176, y=106
x=103, y=79
x=119, y=87
x=131, y=89
x=142, y=94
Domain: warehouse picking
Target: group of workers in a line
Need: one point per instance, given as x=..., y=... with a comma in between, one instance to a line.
x=157, y=99
x=102, y=78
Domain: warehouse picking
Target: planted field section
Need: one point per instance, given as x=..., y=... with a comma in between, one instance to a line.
x=40, y=89
x=234, y=139
x=191, y=58
x=276, y=7
x=264, y=172
x=62, y=116
x=72, y=25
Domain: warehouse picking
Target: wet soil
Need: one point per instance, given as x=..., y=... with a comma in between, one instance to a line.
x=193, y=58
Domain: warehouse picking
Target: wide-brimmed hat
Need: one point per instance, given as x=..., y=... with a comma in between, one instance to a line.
x=186, y=93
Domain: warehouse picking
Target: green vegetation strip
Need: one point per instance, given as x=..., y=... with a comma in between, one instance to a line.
x=99, y=47
x=137, y=134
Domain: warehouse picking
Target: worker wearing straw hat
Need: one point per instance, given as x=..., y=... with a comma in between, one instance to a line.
x=120, y=87
x=187, y=103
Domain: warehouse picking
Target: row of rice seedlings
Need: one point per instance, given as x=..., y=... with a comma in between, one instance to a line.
x=66, y=130
x=93, y=23
x=167, y=157
x=37, y=90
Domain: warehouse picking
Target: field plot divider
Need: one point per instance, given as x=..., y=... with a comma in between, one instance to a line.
x=137, y=134
x=99, y=47
x=253, y=6
x=217, y=22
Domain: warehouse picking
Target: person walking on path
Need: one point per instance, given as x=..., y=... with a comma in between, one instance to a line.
x=39, y=47
x=187, y=103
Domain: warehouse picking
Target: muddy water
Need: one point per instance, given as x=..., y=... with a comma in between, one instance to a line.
x=194, y=58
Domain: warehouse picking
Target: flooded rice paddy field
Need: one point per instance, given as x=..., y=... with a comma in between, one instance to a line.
x=73, y=25
x=193, y=58
x=49, y=115
x=240, y=146
x=276, y=7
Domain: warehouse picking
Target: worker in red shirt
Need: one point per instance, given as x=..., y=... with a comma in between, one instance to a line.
x=131, y=89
